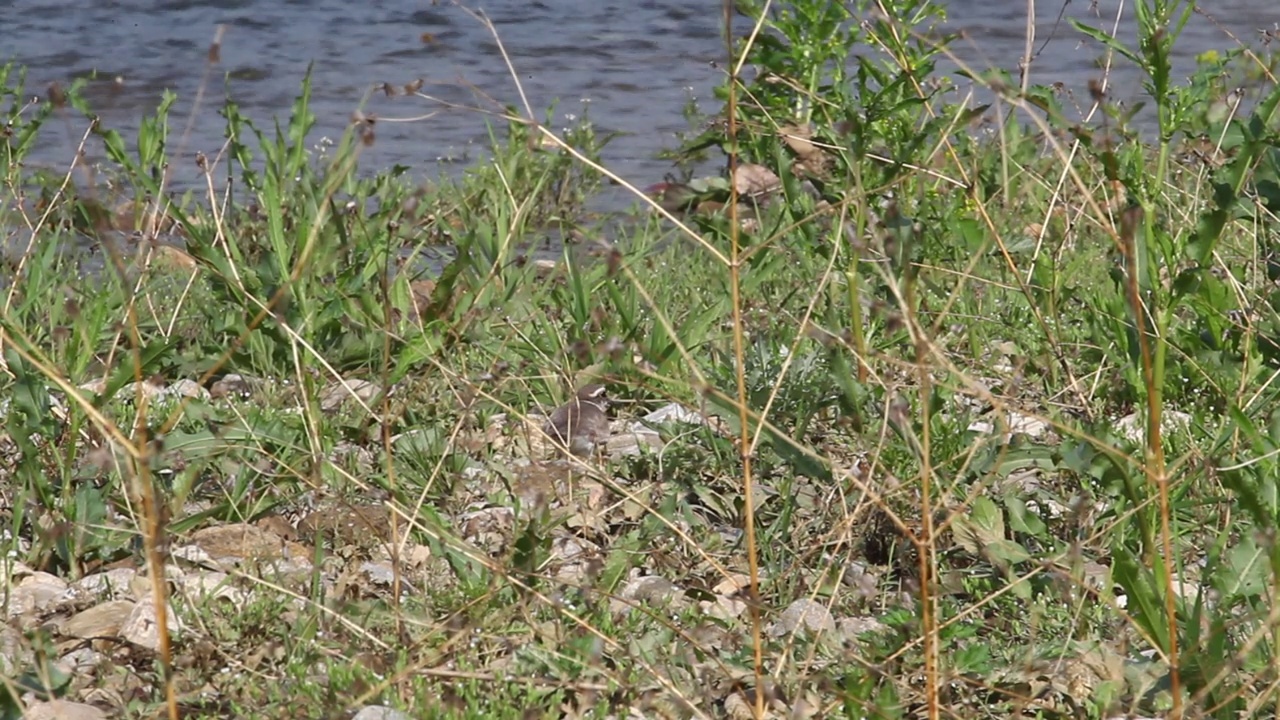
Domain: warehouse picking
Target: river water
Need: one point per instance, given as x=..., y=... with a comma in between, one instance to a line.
x=632, y=65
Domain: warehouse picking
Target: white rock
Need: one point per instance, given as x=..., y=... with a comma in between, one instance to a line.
x=113, y=584
x=1015, y=424
x=653, y=589
x=732, y=583
x=675, y=412
x=1133, y=426
x=81, y=661
x=379, y=712
x=99, y=621
x=723, y=607
x=188, y=389
x=379, y=573
x=632, y=439
x=15, y=651
x=211, y=584
x=803, y=614
x=336, y=393
x=62, y=710
x=570, y=549
x=39, y=593
x=852, y=628
x=142, y=629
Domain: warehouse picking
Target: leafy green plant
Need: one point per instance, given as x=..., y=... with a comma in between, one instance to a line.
x=22, y=119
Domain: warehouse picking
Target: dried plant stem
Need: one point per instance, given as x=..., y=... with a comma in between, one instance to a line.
x=744, y=416
x=1147, y=329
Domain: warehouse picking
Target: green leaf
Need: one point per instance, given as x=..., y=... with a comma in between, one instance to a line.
x=1145, y=596
x=30, y=393
x=113, y=143
x=49, y=683
x=981, y=527
x=1248, y=575
x=1003, y=553
x=1023, y=521
x=1187, y=282
x=1111, y=43
x=125, y=373
x=973, y=234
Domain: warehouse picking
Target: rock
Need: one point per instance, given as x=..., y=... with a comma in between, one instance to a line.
x=225, y=547
x=737, y=707
x=232, y=385
x=853, y=628
x=207, y=584
x=37, y=594
x=576, y=557
x=62, y=710
x=420, y=292
x=152, y=389
x=674, y=412
x=15, y=651
x=168, y=256
x=864, y=583
x=755, y=180
x=347, y=525
x=1015, y=424
x=732, y=584
x=723, y=607
x=379, y=712
x=488, y=528
x=803, y=614
x=677, y=413
x=187, y=389
x=537, y=485
x=379, y=573
x=113, y=584
x=652, y=590
x=81, y=661
x=100, y=621
x=143, y=629
x=632, y=439
x=740, y=705
x=1132, y=427
x=545, y=269
x=337, y=393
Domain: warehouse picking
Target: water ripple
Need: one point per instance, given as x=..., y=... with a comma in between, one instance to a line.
x=636, y=62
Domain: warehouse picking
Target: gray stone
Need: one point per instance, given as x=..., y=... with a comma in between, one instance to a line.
x=62, y=710
x=379, y=712
x=803, y=614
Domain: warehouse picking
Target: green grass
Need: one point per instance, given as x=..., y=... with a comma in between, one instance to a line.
x=910, y=280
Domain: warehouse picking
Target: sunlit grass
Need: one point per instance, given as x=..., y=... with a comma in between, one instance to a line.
x=952, y=346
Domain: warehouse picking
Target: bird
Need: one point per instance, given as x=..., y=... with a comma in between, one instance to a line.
x=581, y=424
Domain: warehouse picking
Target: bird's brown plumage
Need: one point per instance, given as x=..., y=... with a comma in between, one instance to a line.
x=582, y=423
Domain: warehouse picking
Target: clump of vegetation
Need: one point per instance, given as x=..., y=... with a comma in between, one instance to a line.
x=966, y=410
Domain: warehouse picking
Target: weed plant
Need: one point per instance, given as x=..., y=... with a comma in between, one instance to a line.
x=992, y=389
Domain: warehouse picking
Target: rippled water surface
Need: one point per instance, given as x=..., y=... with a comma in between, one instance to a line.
x=632, y=64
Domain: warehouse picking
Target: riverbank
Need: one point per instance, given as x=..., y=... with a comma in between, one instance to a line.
x=1003, y=380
